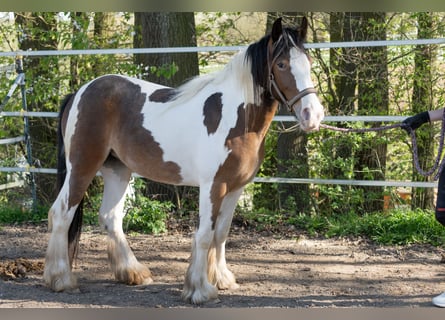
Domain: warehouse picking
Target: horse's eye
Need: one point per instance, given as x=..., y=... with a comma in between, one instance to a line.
x=281, y=65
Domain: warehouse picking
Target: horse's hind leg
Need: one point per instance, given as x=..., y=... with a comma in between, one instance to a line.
x=218, y=272
x=124, y=264
x=57, y=273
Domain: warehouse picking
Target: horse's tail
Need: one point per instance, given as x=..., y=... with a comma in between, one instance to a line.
x=76, y=223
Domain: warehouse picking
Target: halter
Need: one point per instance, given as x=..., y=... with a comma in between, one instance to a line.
x=272, y=83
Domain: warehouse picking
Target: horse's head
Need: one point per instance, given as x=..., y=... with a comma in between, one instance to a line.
x=290, y=74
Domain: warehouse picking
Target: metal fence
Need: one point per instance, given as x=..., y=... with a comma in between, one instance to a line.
x=26, y=114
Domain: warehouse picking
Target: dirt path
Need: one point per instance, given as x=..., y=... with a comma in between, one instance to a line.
x=272, y=272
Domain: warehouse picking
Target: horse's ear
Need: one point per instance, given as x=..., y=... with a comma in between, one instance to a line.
x=303, y=28
x=277, y=30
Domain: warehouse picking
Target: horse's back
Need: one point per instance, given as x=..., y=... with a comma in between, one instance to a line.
x=154, y=133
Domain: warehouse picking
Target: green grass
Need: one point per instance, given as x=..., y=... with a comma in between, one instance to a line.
x=396, y=227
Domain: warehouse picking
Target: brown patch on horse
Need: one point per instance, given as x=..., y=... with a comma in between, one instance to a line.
x=163, y=95
x=212, y=112
x=246, y=144
x=110, y=121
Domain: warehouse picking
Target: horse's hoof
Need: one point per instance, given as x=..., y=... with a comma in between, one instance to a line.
x=139, y=275
x=228, y=286
x=61, y=283
x=200, y=296
x=226, y=281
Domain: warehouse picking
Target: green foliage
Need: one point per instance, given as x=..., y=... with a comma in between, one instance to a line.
x=395, y=227
x=91, y=206
x=219, y=29
x=146, y=215
x=406, y=227
x=166, y=70
x=265, y=195
x=261, y=219
x=142, y=213
x=15, y=214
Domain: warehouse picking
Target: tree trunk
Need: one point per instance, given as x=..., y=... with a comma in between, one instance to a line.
x=166, y=29
x=159, y=30
x=372, y=100
x=292, y=162
x=291, y=150
x=423, y=100
x=343, y=27
x=342, y=85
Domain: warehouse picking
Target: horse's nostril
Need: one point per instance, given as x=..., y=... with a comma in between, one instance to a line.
x=305, y=114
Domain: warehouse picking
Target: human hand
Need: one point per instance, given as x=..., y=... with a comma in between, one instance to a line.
x=413, y=122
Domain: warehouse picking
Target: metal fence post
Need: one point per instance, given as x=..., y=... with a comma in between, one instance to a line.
x=21, y=73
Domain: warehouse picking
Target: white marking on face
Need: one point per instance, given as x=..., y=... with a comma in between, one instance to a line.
x=309, y=110
x=301, y=69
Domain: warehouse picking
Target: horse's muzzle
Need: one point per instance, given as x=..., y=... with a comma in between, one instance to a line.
x=310, y=117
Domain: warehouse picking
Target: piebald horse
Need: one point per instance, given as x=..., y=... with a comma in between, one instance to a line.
x=209, y=132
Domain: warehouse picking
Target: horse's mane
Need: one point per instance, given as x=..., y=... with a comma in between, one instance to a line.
x=237, y=69
x=248, y=68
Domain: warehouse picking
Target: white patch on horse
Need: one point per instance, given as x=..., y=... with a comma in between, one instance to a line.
x=190, y=146
x=57, y=273
x=309, y=104
x=71, y=124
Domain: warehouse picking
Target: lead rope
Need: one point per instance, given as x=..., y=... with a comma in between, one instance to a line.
x=414, y=144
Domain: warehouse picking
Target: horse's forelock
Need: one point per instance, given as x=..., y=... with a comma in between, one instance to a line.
x=289, y=39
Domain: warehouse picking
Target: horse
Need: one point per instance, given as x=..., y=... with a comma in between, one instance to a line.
x=209, y=132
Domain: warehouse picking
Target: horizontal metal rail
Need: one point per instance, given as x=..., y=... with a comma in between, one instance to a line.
x=281, y=118
x=274, y=179
x=375, y=183
x=127, y=51
x=23, y=113
x=263, y=179
x=12, y=140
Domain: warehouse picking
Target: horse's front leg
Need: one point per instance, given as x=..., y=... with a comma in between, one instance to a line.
x=197, y=288
x=218, y=271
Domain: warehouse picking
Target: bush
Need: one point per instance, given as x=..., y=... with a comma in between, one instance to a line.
x=146, y=215
x=19, y=215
